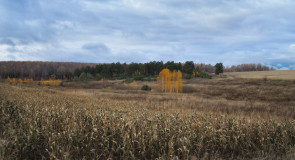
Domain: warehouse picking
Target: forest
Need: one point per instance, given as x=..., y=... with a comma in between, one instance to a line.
x=69, y=70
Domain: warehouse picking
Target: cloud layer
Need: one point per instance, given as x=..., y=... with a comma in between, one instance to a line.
x=230, y=31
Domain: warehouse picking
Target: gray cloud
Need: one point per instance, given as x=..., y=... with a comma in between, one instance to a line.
x=231, y=31
x=98, y=48
x=7, y=42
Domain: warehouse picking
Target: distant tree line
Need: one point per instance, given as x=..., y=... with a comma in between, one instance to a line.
x=39, y=70
x=154, y=68
x=69, y=70
x=248, y=67
x=148, y=69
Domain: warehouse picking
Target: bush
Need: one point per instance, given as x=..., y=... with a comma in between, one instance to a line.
x=98, y=78
x=134, y=78
x=85, y=76
x=128, y=80
x=118, y=78
x=150, y=78
x=146, y=88
x=188, y=76
x=204, y=75
x=138, y=78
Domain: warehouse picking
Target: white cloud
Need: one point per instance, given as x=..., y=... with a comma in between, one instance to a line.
x=62, y=25
x=34, y=22
x=284, y=68
x=4, y=47
x=292, y=47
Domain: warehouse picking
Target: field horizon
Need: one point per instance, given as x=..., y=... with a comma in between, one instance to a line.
x=278, y=74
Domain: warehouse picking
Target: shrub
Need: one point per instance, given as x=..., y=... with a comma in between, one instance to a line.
x=150, y=78
x=118, y=78
x=85, y=76
x=134, y=78
x=188, y=76
x=128, y=80
x=204, y=75
x=98, y=78
x=138, y=78
x=146, y=88
x=51, y=82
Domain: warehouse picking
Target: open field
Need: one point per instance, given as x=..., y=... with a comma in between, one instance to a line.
x=226, y=118
x=280, y=75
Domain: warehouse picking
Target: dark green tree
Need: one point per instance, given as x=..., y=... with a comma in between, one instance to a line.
x=133, y=68
x=77, y=72
x=188, y=67
x=98, y=68
x=218, y=68
x=171, y=65
x=106, y=70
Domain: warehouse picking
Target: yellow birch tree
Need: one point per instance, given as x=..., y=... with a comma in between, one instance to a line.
x=179, y=81
x=170, y=81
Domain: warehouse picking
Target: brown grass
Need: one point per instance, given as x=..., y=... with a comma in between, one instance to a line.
x=217, y=118
x=279, y=75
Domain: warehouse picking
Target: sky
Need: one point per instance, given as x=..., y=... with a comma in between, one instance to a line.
x=103, y=31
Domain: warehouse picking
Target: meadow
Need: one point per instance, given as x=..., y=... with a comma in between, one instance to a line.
x=278, y=75
x=226, y=117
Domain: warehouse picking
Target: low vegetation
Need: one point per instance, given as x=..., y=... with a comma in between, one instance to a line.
x=51, y=82
x=274, y=75
x=221, y=118
x=146, y=88
x=204, y=75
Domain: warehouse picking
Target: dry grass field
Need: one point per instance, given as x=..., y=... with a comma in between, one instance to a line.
x=219, y=118
x=279, y=75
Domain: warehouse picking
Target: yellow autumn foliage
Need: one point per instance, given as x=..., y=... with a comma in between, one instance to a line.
x=195, y=74
x=170, y=81
x=8, y=80
x=20, y=81
x=12, y=80
x=51, y=82
x=28, y=80
x=134, y=85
